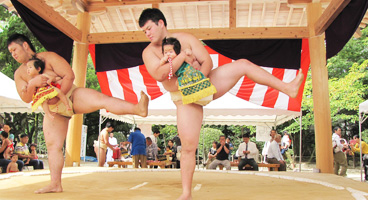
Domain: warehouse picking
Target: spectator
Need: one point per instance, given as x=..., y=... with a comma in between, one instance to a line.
x=33, y=151
x=138, y=152
x=248, y=152
x=177, y=142
x=113, y=141
x=172, y=150
x=154, y=138
x=274, y=154
x=5, y=162
x=231, y=147
x=13, y=166
x=9, y=148
x=267, y=144
x=23, y=153
x=151, y=149
x=356, y=148
x=222, y=156
x=285, y=144
x=339, y=155
x=211, y=154
x=102, y=143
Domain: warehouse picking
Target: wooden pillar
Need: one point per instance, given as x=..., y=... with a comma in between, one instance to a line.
x=321, y=102
x=73, y=140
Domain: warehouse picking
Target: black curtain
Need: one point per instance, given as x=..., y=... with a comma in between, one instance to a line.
x=49, y=36
x=344, y=26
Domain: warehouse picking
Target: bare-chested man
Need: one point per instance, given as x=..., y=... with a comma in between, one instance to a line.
x=83, y=100
x=102, y=143
x=153, y=24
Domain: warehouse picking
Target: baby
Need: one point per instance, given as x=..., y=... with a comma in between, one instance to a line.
x=9, y=145
x=13, y=166
x=35, y=67
x=33, y=153
x=192, y=84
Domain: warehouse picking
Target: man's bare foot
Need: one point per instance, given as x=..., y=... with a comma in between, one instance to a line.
x=143, y=105
x=49, y=189
x=185, y=197
x=293, y=87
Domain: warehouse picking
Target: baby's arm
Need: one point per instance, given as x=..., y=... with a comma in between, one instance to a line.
x=164, y=60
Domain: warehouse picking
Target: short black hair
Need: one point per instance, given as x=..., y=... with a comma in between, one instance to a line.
x=137, y=129
x=246, y=135
x=336, y=128
x=38, y=63
x=153, y=14
x=33, y=145
x=172, y=41
x=20, y=39
x=356, y=136
x=109, y=124
x=148, y=139
x=4, y=134
x=23, y=135
x=222, y=136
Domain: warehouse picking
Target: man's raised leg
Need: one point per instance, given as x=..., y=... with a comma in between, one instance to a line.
x=55, y=133
x=189, y=136
x=226, y=76
x=86, y=100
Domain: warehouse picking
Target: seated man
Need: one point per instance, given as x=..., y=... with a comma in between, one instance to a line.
x=23, y=153
x=222, y=155
x=248, y=152
x=274, y=154
x=151, y=150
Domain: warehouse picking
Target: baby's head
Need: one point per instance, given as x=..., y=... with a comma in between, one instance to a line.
x=171, y=47
x=167, y=148
x=33, y=147
x=14, y=158
x=35, y=66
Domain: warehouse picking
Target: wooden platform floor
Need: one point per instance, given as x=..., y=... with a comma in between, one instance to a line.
x=94, y=183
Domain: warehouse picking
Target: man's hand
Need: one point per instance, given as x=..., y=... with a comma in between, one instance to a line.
x=53, y=101
x=223, y=143
x=38, y=81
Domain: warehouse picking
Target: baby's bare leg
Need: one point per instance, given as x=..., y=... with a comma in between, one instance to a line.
x=47, y=111
x=63, y=98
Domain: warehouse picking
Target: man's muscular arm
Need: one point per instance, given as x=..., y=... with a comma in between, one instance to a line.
x=62, y=68
x=201, y=55
x=26, y=90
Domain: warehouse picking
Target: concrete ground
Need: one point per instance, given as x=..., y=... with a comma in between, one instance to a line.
x=93, y=183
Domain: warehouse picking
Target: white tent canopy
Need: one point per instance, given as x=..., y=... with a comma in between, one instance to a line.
x=9, y=98
x=229, y=110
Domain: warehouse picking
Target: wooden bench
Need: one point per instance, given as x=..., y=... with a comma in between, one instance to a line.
x=119, y=163
x=161, y=164
x=275, y=167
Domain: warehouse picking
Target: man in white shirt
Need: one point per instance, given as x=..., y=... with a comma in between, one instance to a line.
x=267, y=144
x=248, y=152
x=110, y=152
x=274, y=154
x=154, y=138
x=339, y=155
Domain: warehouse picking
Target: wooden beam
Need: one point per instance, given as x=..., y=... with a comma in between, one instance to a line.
x=207, y=33
x=305, y=1
x=321, y=101
x=278, y=5
x=329, y=15
x=54, y=18
x=232, y=13
x=250, y=14
x=92, y=6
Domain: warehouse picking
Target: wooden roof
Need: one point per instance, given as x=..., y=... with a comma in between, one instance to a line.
x=117, y=20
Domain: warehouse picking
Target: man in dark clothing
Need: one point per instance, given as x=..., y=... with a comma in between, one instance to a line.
x=222, y=155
